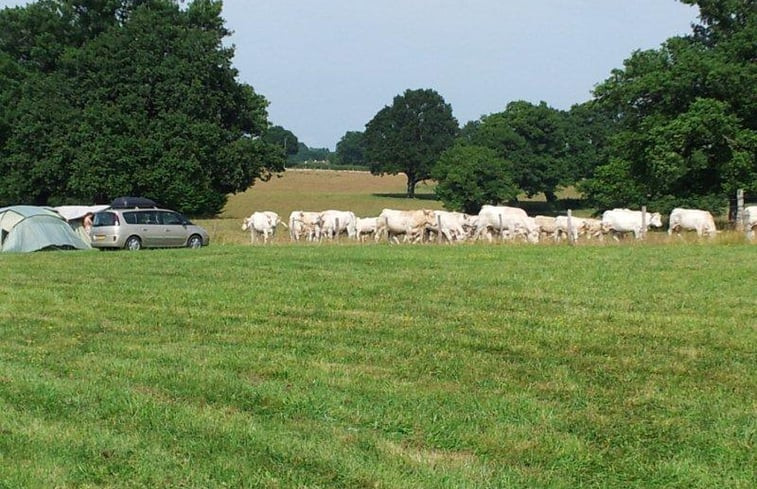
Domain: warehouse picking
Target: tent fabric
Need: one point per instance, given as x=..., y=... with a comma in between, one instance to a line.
x=74, y=214
x=29, y=228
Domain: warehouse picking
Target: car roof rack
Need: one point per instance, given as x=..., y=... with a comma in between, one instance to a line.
x=132, y=202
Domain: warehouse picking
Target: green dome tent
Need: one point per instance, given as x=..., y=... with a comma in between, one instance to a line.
x=30, y=228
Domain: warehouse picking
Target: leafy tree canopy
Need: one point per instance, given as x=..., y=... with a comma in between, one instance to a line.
x=107, y=98
x=686, y=115
x=350, y=150
x=546, y=147
x=471, y=176
x=409, y=136
x=282, y=138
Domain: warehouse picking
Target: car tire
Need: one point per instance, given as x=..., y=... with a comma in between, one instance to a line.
x=194, y=241
x=133, y=243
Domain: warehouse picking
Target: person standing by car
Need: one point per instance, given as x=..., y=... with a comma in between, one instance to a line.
x=87, y=222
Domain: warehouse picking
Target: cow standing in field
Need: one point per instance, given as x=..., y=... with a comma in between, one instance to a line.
x=334, y=223
x=451, y=225
x=750, y=221
x=411, y=224
x=508, y=222
x=692, y=220
x=593, y=228
x=620, y=221
x=305, y=224
x=547, y=226
x=263, y=223
x=366, y=226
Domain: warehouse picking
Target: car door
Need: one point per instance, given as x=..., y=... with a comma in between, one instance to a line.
x=147, y=227
x=174, y=228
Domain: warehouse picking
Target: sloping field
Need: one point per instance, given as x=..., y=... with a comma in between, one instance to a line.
x=315, y=190
x=380, y=366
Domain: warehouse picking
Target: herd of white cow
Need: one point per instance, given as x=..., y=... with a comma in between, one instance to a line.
x=492, y=221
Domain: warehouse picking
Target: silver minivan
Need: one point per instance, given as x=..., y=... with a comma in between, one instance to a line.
x=134, y=229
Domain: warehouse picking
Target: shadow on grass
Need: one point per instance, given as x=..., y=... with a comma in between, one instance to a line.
x=560, y=206
x=428, y=196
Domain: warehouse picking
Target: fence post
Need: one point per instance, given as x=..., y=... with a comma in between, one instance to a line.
x=439, y=228
x=643, y=234
x=336, y=231
x=501, y=230
x=571, y=240
x=740, y=210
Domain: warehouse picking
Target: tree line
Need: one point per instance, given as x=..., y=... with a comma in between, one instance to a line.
x=102, y=98
x=674, y=126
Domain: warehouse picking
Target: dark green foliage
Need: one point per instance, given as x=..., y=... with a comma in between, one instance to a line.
x=547, y=148
x=409, y=136
x=687, y=114
x=471, y=176
x=126, y=98
x=350, y=150
x=282, y=138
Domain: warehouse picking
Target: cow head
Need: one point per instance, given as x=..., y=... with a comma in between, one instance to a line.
x=246, y=223
x=655, y=220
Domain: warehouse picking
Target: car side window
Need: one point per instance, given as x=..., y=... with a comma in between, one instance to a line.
x=131, y=217
x=141, y=217
x=171, y=218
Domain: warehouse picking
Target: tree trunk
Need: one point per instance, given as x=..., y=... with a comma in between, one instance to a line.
x=411, y=187
x=733, y=207
x=550, y=196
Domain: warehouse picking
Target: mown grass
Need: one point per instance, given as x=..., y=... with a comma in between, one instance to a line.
x=380, y=366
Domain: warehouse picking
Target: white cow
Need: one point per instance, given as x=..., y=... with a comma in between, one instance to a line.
x=366, y=226
x=507, y=221
x=334, y=223
x=547, y=226
x=692, y=220
x=305, y=224
x=412, y=224
x=593, y=228
x=579, y=225
x=750, y=221
x=619, y=221
x=262, y=222
x=454, y=225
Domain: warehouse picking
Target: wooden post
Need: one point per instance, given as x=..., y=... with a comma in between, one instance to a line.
x=571, y=240
x=501, y=230
x=336, y=231
x=740, y=210
x=643, y=234
x=438, y=228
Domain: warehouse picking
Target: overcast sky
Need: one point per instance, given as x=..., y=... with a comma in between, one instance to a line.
x=326, y=67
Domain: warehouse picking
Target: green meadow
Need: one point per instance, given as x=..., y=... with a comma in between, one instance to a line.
x=347, y=366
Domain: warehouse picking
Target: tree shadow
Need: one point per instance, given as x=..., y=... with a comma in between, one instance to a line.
x=418, y=196
x=560, y=206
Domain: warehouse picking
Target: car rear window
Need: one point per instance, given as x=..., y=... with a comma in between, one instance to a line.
x=105, y=219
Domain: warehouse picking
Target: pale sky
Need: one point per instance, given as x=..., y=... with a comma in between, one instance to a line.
x=326, y=67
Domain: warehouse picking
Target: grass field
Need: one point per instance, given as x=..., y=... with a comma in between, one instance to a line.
x=380, y=366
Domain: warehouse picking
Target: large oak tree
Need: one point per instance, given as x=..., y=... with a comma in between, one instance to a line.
x=103, y=98
x=409, y=136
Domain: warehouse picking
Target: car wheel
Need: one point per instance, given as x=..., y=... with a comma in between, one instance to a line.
x=194, y=241
x=133, y=243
